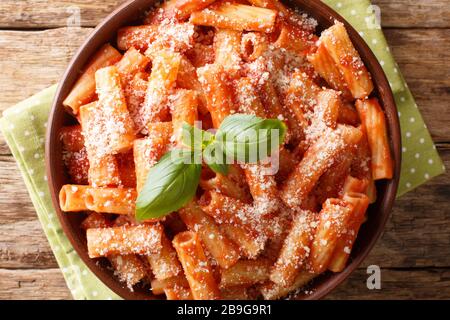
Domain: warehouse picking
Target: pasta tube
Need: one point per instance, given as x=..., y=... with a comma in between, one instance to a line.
x=215, y=241
x=83, y=91
x=196, y=266
x=236, y=17
x=143, y=239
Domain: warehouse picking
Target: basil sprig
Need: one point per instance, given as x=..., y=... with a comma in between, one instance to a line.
x=215, y=158
x=195, y=138
x=170, y=184
x=173, y=181
x=248, y=138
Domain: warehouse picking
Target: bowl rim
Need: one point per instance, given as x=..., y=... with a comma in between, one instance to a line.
x=310, y=7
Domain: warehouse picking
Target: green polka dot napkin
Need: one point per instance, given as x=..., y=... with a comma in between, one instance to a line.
x=24, y=129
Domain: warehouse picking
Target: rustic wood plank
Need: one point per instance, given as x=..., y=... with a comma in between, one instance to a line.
x=31, y=61
x=27, y=55
x=4, y=149
x=34, y=60
x=15, y=203
x=432, y=283
x=413, y=13
x=23, y=244
x=417, y=235
x=33, y=285
x=423, y=57
x=58, y=13
x=52, y=14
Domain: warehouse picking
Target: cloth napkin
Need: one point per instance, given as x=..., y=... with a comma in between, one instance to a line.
x=24, y=127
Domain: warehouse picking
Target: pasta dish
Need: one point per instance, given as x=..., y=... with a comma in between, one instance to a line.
x=214, y=78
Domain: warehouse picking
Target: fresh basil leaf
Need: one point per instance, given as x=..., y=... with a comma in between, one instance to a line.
x=170, y=184
x=215, y=158
x=249, y=138
x=195, y=138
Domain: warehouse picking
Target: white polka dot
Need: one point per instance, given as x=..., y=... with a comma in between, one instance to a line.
x=382, y=62
x=374, y=41
x=26, y=133
x=402, y=99
x=430, y=161
x=36, y=155
x=424, y=125
x=417, y=155
x=49, y=226
x=399, y=114
x=45, y=125
x=426, y=176
x=413, y=170
x=31, y=171
x=361, y=34
x=41, y=194
x=57, y=248
x=421, y=140
x=64, y=270
x=21, y=149
x=443, y=167
x=404, y=149
x=353, y=12
x=45, y=178
x=31, y=117
x=338, y=5
x=388, y=49
x=84, y=273
x=412, y=119
x=94, y=293
x=408, y=185
x=408, y=134
x=395, y=70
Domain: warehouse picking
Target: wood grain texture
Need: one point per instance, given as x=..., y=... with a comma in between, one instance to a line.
x=414, y=14
x=15, y=203
x=24, y=245
x=42, y=14
x=430, y=283
x=422, y=56
x=33, y=285
x=33, y=60
x=4, y=149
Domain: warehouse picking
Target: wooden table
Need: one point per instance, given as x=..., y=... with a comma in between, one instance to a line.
x=414, y=252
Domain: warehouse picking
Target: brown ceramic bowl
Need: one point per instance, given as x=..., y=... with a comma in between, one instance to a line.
x=106, y=32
